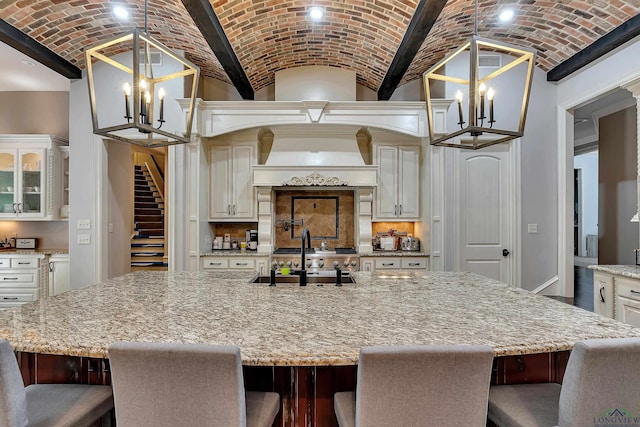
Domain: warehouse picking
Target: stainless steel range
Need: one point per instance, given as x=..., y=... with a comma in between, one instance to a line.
x=317, y=260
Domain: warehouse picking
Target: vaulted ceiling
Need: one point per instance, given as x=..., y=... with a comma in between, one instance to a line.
x=386, y=42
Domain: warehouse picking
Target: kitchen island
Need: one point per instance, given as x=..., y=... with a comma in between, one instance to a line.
x=301, y=341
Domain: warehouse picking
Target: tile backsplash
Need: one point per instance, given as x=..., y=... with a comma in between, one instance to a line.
x=328, y=214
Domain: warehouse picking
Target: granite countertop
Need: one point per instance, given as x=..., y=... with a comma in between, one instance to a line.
x=631, y=271
x=235, y=252
x=289, y=325
x=34, y=251
x=394, y=253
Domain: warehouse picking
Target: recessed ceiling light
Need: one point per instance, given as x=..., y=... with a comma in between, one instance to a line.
x=28, y=63
x=316, y=13
x=506, y=15
x=121, y=12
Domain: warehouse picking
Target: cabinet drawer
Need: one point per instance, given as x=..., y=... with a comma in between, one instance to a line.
x=9, y=299
x=383, y=263
x=215, y=263
x=24, y=262
x=242, y=263
x=5, y=263
x=414, y=263
x=18, y=279
x=628, y=311
x=628, y=288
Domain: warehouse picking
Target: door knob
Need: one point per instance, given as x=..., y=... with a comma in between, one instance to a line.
x=505, y=252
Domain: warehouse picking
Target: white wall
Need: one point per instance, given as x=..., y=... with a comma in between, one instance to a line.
x=315, y=83
x=588, y=165
x=86, y=154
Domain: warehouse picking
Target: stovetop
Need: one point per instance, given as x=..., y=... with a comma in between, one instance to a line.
x=293, y=251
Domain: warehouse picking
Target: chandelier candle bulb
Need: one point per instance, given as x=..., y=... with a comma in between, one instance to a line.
x=143, y=88
x=482, y=89
x=147, y=108
x=161, y=95
x=127, y=94
x=490, y=95
x=459, y=98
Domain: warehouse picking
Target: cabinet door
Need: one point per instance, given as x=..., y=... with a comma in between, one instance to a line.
x=8, y=182
x=367, y=264
x=603, y=294
x=32, y=182
x=220, y=189
x=243, y=160
x=409, y=182
x=58, y=274
x=387, y=191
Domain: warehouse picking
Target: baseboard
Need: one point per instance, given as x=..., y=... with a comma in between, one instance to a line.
x=550, y=287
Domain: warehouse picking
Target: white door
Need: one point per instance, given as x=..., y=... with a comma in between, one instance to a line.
x=484, y=206
x=220, y=182
x=409, y=182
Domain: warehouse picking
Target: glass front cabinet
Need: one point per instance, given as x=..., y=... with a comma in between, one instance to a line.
x=31, y=177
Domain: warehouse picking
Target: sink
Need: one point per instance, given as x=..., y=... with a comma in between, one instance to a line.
x=318, y=280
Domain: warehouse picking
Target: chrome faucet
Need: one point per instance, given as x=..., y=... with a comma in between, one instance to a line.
x=303, y=271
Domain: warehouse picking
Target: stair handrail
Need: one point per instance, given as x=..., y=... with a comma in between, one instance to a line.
x=156, y=176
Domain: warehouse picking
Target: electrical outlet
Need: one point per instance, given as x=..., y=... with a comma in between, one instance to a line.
x=84, y=224
x=110, y=228
x=532, y=228
x=84, y=239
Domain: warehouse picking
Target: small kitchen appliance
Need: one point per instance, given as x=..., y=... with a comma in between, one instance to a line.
x=252, y=236
x=410, y=244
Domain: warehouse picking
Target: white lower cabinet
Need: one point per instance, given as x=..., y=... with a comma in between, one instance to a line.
x=19, y=279
x=617, y=296
x=254, y=263
x=58, y=274
x=393, y=263
x=628, y=300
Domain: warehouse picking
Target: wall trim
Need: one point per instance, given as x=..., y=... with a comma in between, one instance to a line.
x=551, y=282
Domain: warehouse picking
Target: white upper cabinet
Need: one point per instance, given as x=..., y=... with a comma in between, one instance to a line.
x=31, y=175
x=397, y=195
x=231, y=192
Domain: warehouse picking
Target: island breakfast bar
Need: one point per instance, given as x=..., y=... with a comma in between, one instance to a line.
x=302, y=342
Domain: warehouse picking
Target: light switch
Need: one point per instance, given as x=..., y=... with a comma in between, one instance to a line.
x=84, y=239
x=532, y=228
x=84, y=224
x=110, y=227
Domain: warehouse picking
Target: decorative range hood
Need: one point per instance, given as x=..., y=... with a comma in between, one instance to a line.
x=314, y=155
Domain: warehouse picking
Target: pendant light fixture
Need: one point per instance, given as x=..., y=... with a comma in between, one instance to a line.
x=491, y=82
x=146, y=75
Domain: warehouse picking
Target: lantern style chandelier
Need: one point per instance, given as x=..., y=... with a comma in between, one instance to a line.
x=144, y=73
x=491, y=92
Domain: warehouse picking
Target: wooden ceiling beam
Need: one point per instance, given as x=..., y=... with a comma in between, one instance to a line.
x=605, y=44
x=207, y=22
x=427, y=12
x=18, y=40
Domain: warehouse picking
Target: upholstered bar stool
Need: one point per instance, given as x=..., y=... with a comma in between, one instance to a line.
x=47, y=405
x=602, y=379
x=418, y=386
x=164, y=384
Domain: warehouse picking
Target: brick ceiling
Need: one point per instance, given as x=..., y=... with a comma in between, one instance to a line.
x=359, y=35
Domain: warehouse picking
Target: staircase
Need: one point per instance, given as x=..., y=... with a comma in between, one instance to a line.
x=148, y=242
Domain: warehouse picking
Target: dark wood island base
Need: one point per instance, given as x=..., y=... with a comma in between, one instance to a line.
x=306, y=391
